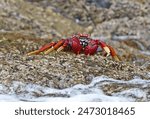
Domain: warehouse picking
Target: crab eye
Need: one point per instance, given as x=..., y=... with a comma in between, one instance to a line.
x=83, y=39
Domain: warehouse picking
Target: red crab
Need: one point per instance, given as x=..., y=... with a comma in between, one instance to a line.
x=80, y=43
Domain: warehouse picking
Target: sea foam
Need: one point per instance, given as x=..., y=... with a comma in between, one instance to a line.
x=139, y=91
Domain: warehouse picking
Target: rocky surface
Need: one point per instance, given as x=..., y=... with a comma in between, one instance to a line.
x=58, y=70
x=25, y=25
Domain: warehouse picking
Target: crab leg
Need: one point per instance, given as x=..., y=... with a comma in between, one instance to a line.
x=43, y=48
x=33, y=52
x=60, y=49
x=66, y=42
x=56, y=46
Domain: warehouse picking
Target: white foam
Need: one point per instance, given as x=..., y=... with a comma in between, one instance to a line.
x=92, y=92
x=5, y=97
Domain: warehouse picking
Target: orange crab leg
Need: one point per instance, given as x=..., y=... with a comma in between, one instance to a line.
x=47, y=46
x=33, y=52
x=60, y=48
x=43, y=48
x=56, y=46
x=66, y=42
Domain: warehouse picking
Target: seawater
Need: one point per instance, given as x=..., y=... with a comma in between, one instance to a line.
x=18, y=91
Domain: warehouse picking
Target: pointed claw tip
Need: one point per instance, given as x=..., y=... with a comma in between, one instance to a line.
x=107, y=50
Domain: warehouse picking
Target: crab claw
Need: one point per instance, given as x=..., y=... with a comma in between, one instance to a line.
x=109, y=51
x=113, y=53
x=105, y=48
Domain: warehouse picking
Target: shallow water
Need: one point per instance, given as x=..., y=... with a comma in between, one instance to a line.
x=120, y=91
